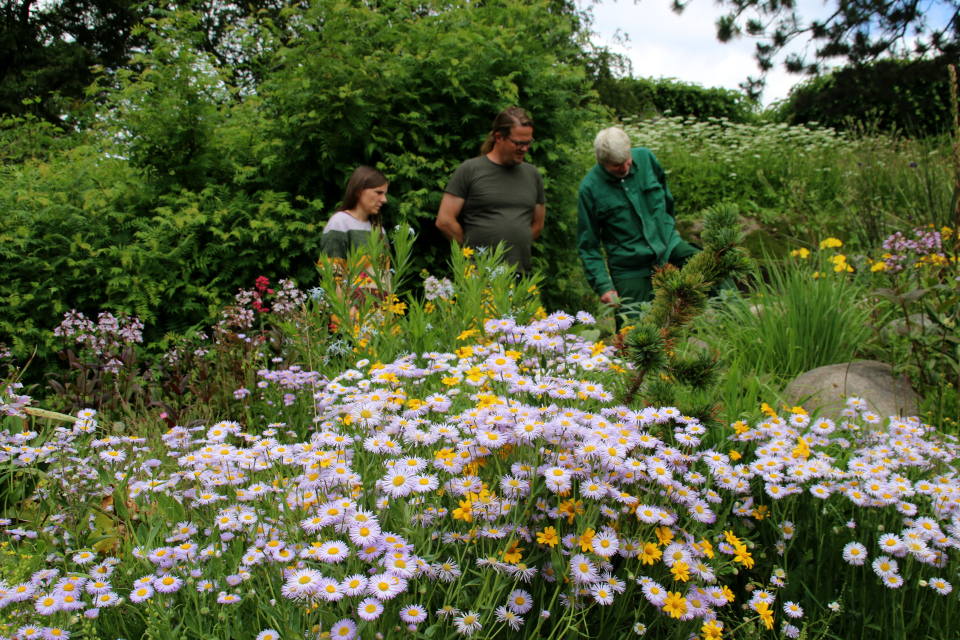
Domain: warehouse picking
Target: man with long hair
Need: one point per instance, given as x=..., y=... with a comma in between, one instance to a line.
x=497, y=197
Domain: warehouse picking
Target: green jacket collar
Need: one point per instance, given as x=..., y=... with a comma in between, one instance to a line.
x=612, y=178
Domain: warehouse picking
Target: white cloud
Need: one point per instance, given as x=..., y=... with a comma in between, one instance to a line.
x=663, y=44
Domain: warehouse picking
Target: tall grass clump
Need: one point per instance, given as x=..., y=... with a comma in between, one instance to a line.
x=744, y=388
x=893, y=183
x=795, y=322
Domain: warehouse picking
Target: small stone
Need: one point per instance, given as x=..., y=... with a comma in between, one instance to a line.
x=919, y=324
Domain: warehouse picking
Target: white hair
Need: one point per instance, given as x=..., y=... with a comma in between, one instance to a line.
x=612, y=146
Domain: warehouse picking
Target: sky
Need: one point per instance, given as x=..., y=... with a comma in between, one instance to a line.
x=663, y=44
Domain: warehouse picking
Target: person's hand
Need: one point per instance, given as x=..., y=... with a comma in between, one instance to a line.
x=610, y=298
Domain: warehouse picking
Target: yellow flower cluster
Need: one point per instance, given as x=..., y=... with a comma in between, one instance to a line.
x=840, y=263
x=464, y=335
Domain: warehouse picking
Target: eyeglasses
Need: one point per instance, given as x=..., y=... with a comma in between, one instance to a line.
x=521, y=144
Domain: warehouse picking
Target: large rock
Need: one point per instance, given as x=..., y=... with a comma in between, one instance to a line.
x=830, y=386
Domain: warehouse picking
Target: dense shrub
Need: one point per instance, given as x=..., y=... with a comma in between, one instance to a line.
x=652, y=97
x=84, y=236
x=910, y=95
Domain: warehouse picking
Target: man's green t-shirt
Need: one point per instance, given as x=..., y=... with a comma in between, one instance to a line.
x=498, y=206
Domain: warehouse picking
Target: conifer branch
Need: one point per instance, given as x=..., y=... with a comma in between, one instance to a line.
x=679, y=297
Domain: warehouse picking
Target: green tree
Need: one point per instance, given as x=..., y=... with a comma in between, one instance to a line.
x=53, y=51
x=689, y=381
x=50, y=51
x=857, y=31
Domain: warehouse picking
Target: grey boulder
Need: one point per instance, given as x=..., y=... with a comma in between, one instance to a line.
x=829, y=387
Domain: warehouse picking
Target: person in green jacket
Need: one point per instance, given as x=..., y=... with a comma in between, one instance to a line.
x=625, y=206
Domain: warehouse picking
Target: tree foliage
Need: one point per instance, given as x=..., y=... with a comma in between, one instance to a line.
x=663, y=375
x=54, y=50
x=50, y=51
x=856, y=31
x=414, y=92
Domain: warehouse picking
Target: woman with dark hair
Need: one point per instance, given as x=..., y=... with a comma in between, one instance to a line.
x=359, y=214
x=351, y=226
